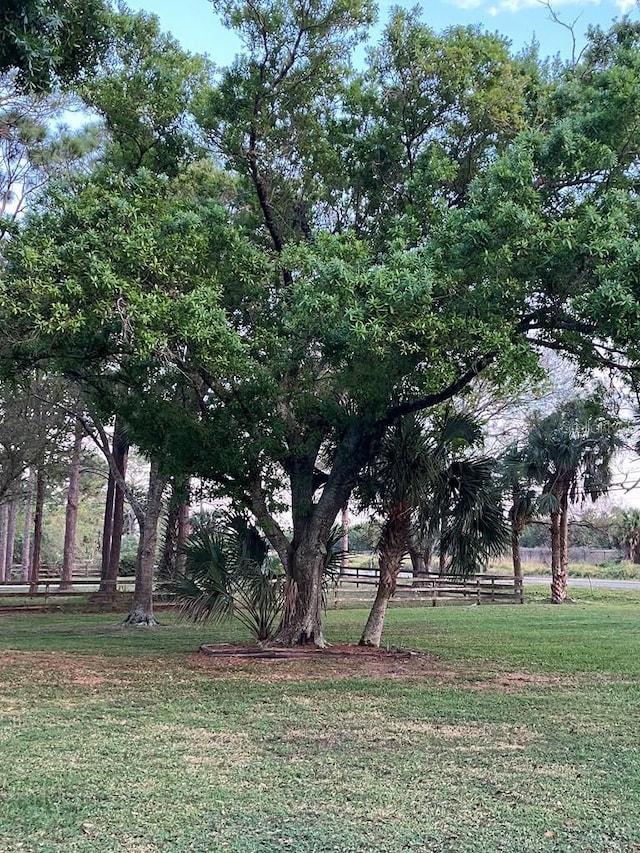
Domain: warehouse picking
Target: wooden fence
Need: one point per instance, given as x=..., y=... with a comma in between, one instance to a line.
x=358, y=584
x=50, y=587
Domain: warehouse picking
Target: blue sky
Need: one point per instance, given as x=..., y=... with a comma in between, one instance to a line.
x=197, y=28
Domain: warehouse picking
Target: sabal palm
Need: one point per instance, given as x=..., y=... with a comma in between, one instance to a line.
x=416, y=482
x=228, y=573
x=525, y=505
x=627, y=533
x=569, y=453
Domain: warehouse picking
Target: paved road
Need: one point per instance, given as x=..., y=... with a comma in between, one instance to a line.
x=606, y=583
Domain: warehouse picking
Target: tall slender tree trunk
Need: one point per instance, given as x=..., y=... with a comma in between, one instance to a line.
x=176, y=531
x=107, y=528
x=113, y=516
x=167, y=566
x=141, y=613
x=393, y=547
x=11, y=539
x=420, y=551
x=4, y=530
x=559, y=527
x=120, y=455
x=34, y=573
x=516, y=555
x=344, y=555
x=71, y=515
x=183, y=534
x=25, y=565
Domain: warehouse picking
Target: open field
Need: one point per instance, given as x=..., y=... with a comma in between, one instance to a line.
x=516, y=730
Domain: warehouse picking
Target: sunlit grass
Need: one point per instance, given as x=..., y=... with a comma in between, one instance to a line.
x=516, y=735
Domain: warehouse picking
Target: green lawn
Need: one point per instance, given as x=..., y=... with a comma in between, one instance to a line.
x=519, y=734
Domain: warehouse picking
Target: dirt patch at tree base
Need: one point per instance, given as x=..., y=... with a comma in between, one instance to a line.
x=334, y=663
x=343, y=661
x=339, y=661
x=305, y=651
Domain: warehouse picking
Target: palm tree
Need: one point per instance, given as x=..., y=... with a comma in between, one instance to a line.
x=524, y=501
x=393, y=486
x=570, y=453
x=419, y=488
x=227, y=573
x=626, y=534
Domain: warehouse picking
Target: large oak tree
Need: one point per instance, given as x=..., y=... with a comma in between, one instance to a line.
x=352, y=248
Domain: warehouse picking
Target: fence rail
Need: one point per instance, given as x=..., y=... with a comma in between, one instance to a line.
x=354, y=583
x=50, y=587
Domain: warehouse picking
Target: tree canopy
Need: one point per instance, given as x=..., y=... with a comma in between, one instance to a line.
x=289, y=257
x=44, y=42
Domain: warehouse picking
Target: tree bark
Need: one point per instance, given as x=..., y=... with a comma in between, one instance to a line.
x=4, y=530
x=313, y=515
x=302, y=616
x=120, y=455
x=25, y=566
x=11, y=539
x=183, y=534
x=167, y=567
x=176, y=532
x=559, y=521
x=516, y=555
x=141, y=613
x=420, y=551
x=393, y=546
x=71, y=515
x=107, y=528
x=34, y=573
x=344, y=557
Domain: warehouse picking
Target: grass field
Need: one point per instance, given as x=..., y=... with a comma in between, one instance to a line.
x=516, y=731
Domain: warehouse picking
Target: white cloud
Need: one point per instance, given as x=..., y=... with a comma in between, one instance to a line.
x=625, y=5
x=518, y=5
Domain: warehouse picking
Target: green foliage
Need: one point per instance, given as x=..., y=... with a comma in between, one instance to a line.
x=228, y=573
x=350, y=248
x=570, y=451
x=143, y=89
x=434, y=471
x=626, y=533
x=47, y=41
x=363, y=537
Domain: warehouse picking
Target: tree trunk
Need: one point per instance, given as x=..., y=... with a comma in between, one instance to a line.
x=11, y=539
x=107, y=528
x=183, y=534
x=313, y=515
x=25, y=567
x=141, y=613
x=71, y=515
x=302, y=616
x=167, y=567
x=558, y=563
x=392, y=548
x=176, y=532
x=420, y=551
x=34, y=573
x=516, y=555
x=4, y=531
x=344, y=543
x=120, y=454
